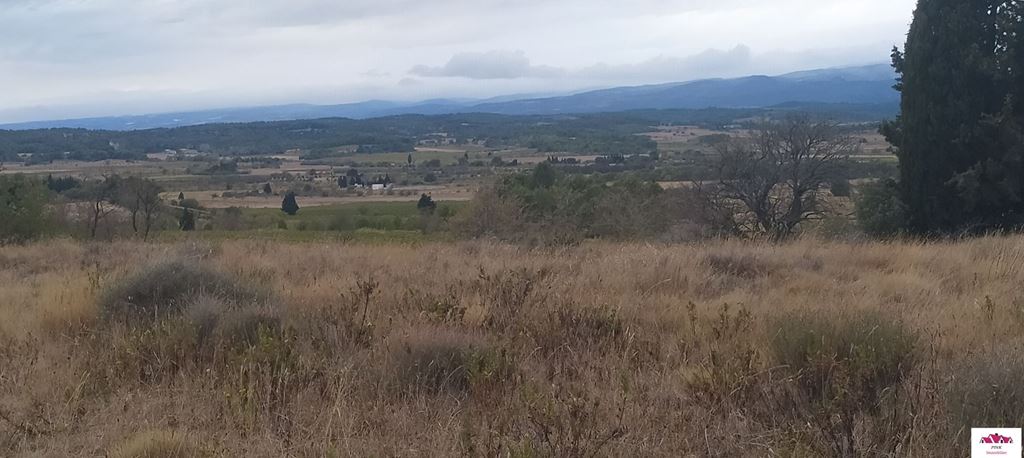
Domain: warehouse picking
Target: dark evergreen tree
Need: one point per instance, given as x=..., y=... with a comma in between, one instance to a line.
x=289, y=205
x=62, y=184
x=544, y=175
x=267, y=189
x=181, y=196
x=426, y=203
x=959, y=169
x=343, y=182
x=187, y=221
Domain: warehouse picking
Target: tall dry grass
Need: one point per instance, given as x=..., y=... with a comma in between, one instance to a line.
x=485, y=349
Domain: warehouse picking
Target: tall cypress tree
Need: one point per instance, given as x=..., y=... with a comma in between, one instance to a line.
x=954, y=86
x=187, y=221
x=289, y=205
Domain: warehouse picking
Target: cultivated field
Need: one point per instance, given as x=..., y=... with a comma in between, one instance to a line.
x=253, y=348
x=212, y=199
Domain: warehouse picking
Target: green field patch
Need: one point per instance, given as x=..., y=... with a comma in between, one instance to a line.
x=381, y=216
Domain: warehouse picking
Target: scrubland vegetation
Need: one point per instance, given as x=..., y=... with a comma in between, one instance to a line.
x=248, y=348
x=646, y=289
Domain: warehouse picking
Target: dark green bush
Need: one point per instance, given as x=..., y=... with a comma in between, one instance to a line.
x=23, y=210
x=840, y=187
x=879, y=209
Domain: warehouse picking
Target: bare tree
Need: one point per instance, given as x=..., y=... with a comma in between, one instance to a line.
x=140, y=196
x=150, y=203
x=773, y=180
x=102, y=197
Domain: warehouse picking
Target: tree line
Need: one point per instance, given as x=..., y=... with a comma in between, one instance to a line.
x=31, y=207
x=599, y=133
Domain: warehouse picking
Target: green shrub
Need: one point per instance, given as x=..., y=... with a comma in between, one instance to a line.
x=167, y=287
x=840, y=187
x=23, y=212
x=879, y=209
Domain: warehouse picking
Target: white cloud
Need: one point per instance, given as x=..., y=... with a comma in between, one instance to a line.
x=489, y=65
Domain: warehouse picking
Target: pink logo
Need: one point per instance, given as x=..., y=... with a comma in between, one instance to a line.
x=996, y=439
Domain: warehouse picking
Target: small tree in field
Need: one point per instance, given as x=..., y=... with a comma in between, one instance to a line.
x=426, y=204
x=141, y=197
x=187, y=221
x=773, y=181
x=23, y=213
x=289, y=205
x=102, y=196
x=267, y=189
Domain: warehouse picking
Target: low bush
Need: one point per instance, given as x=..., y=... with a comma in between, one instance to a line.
x=724, y=358
x=233, y=324
x=511, y=295
x=840, y=187
x=839, y=370
x=447, y=361
x=987, y=391
x=879, y=209
x=578, y=328
x=167, y=287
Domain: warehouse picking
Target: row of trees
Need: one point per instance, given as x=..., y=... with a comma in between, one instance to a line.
x=766, y=185
x=140, y=197
x=28, y=205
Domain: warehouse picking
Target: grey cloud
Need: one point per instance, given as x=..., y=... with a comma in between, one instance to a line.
x=711, y=62
x=489, y=65
x=515, y=64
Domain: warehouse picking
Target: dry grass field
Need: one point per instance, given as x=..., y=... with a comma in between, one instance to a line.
x=250, y=348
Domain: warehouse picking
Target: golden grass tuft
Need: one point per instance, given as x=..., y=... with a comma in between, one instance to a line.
x=158, y=444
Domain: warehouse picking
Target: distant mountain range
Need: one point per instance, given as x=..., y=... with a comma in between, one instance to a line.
x=863, y=86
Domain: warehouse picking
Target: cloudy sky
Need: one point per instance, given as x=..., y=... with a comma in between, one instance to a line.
x=75, y=58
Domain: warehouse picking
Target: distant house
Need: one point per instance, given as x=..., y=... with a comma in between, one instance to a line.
x=377, y=186
x=437, y=139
